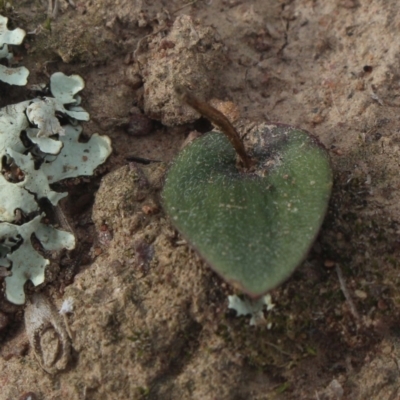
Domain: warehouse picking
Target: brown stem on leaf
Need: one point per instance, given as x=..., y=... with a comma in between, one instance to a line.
x=217, y=118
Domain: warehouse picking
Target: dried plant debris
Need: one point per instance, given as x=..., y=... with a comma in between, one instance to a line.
x=51, y=152
x=13, y=76
x=47, y=334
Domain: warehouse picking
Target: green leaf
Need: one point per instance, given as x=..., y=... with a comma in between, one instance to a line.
x=253, y=228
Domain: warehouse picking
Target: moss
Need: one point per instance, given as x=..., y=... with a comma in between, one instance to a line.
x=283, y=388
x=47, y=24
x=144, y=391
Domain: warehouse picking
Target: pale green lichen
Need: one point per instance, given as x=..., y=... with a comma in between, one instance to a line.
x=49, y=153
x=13, y=76
x=27, y=263
x=247, y=306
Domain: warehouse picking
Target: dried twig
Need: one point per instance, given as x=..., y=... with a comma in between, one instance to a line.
x=62, y=219
x=346, y=293
x=53, y=8
x=278, y=349
x=184, y=6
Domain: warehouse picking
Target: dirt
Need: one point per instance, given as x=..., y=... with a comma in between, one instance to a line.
x=150, y=319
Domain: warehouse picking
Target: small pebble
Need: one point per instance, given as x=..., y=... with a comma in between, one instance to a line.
x=360, y=294
x=150, y=209
x=228, y=108
x=329, y=264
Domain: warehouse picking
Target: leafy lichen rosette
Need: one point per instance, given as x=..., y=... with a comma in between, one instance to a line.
x=34, y=142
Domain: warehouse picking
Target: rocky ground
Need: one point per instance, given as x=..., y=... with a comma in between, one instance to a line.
x=150, y=319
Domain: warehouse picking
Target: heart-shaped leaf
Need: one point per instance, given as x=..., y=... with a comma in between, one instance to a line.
x=253, y=228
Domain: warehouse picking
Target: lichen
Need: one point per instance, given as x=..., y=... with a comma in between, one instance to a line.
x=39, y=146
x=251, y=307
x=13, y=76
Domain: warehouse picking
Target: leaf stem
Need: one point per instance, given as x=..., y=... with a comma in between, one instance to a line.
x=217, y=118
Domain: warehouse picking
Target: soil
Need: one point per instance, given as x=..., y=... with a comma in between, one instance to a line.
x=150, y=319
